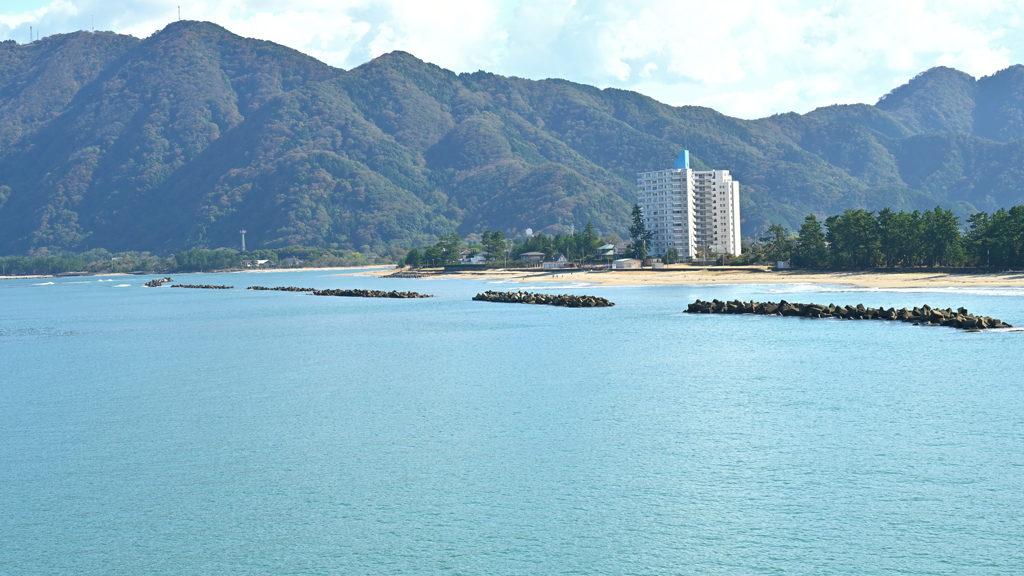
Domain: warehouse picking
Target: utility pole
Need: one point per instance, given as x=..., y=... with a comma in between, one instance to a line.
x=243, y=240
x=179, y=13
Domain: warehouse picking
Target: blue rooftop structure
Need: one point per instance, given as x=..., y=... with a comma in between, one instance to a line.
x=683, y=162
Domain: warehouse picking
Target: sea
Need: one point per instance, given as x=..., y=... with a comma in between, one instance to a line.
x=174, y=431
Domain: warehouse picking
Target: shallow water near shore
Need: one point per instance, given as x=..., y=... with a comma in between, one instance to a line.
x=177, y=431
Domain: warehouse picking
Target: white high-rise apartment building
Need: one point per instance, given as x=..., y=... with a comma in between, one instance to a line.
x=690, y=210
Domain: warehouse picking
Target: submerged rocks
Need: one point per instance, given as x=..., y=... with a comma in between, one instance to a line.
x=923, y=316
x=370, y=293
x=282, y=288
x=203, y=286
x=567, y=300
x=157, y=283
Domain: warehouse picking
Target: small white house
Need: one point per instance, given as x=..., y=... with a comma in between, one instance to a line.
x=478, y=258
x=626, y=263
x=557, y=263
x=783, y=265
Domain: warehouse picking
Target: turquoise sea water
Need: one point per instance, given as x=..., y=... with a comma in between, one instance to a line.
x=170, y=431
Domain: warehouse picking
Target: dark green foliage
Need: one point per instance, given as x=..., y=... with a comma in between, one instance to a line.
x=413, y=259
x=640, y=237
x=179, y=140
x=997, y=239
x=862, y=239
x=199, y=260
x=778, y=245
x=811, y=250
x=495, y=244
x=853, y=239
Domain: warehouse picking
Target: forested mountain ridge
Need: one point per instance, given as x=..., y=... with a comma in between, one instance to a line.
x=181, y=139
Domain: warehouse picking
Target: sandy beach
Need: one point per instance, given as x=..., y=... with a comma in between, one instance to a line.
x=748, y=275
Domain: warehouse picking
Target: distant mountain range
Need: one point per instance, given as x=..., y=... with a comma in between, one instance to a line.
x=183, y=138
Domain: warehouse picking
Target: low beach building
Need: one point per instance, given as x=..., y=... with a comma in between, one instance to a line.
x=557, y=263
x=532, y=256
x=626, y=263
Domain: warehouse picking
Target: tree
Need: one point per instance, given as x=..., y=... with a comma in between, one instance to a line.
x=812, y=251
x=942, y=237
x=449, y=248
x=494, y=244
x=433, y=256
x=779, y=246
x=639, y=235
x=671, y=256
x=590, y=241
x=413, y=258
x=853, y=239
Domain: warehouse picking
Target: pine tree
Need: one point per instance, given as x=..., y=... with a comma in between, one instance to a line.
x=639, y=235
x=812, y=251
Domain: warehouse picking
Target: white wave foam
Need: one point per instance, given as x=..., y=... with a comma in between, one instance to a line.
x=570, y=286
x=122, y=286
x=44, y=284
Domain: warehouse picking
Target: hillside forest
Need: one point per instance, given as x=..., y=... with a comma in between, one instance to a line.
x=177, y=141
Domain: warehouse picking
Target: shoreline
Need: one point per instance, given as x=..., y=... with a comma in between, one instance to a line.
x=681, y=276
x=233, y=271
x=707, y=276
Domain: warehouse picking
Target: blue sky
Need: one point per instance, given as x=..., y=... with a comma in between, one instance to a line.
x=747, y=58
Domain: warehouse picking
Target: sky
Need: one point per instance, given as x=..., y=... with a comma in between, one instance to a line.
x=745, y=58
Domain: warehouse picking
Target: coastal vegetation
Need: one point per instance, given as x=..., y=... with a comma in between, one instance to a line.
x=100, y=261
x=500, y=251
x=890, y=239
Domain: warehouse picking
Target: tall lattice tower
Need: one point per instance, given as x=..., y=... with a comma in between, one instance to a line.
x=243, y=240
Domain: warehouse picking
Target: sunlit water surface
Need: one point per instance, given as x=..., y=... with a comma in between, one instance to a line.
x=170, y=431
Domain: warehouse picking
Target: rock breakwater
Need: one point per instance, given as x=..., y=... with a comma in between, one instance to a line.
x=923, y=316
x=282, y=288
x=157, y=283
x=567, y=300
x=370, y=294
x=202, y=286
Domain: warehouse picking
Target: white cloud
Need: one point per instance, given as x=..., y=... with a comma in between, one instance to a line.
x=743, y=57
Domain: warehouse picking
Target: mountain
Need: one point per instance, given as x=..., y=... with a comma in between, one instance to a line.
x=183, y=138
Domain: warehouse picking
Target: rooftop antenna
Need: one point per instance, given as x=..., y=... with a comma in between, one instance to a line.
x=243, y=240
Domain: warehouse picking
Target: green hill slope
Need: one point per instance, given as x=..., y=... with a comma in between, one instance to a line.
x=183, y=138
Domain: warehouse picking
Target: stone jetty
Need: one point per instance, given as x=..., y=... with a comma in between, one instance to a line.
x=567, y=300
x=157, y=283
x=370, y=293
x=282, y=288
x=203, y=286
x=923, y=316
x=406, y=274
